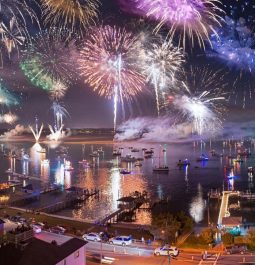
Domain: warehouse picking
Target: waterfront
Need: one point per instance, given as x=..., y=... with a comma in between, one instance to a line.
x=186, y=189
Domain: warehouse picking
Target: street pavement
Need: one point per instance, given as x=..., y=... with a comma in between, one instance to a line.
x=130, y=255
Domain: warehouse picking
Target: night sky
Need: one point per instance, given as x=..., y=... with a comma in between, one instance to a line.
x=87, y=109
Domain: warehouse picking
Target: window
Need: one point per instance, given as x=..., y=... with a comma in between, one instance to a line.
x=65, y=262
x=76, y=255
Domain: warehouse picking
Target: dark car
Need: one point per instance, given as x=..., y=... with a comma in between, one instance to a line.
x=57, y=230
x=236, y=250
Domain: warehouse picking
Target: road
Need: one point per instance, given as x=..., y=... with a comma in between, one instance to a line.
x=142, y=255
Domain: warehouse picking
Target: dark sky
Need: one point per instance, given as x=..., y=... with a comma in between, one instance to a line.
x=85, y=107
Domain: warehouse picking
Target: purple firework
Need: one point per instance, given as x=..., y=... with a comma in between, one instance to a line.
x=194, y=19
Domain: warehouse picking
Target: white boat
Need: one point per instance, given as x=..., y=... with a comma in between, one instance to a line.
x=137, y=164
x=45, y=162
x=94, y=154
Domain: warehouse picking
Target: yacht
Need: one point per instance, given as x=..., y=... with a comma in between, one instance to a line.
x=161, y=169
x=124, y=171
x=182, y=163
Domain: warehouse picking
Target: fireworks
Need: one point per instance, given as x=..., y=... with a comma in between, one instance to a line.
x=161, y=63
x=106, y=64
x=58, y=90
x=7, y=99
x=236, y=44
x=202, y=101
x=73, y=14
x=59, y=113
x=8, y=118
x=12, y=36
x=47, y=59
x=194, y=19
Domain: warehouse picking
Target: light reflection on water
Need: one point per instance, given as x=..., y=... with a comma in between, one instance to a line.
x=187, y=188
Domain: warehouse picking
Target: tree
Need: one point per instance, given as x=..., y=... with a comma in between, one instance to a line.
x=207, y=235
x=227, y=239
x=251, y=237
x=165, y=226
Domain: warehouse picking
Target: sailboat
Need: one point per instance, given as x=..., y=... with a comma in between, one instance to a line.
x=163, y=169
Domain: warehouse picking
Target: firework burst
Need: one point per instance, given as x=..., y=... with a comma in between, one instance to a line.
x=7, y=99
x=201, y=101
x=106, y=64
x=47, y=59
x=8, y=118
x=161, y=63
x=58, y=90
x=73, y=14
x=14, y=25
x=192, y=19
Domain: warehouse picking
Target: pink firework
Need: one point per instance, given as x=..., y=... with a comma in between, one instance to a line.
x=192, y=19
x=106, y=63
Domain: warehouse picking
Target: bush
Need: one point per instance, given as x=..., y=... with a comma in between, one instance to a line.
x=207, y=236
x=227, y=239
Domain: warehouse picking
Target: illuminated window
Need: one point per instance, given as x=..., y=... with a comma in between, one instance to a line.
x=76, y=255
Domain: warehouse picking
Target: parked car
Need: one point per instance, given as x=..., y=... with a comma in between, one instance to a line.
x=236, y=249
x=36, y=229
x=39, y=224
x=92, y=237
x=166, y=250
x=121, y=240
x=103, y=259
x=57, y=230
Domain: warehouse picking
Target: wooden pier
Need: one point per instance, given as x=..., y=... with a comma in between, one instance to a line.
x=128, y=205
x=70, y=199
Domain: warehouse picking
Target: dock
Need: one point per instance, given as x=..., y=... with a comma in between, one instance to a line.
x=70, y=199
x=128, y=205
x=24, y=177
x=224, y=207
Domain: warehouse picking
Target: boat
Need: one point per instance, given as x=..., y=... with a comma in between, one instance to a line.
x=68, y=166
x=250, y=169
x=94, y=154
x=139, y=159
x=100, y=150
x=45, y=162
x=135, y=150
x=182, y=163
x=144, y=149
x=202, y=158
x=161, y=169
x=147, y=156
x=128, y=158
x=124, y=171
x=116, y=153
x=137, y=164
x=149, y=152
x=238, y=159
x=25, y=157
x=43, y=150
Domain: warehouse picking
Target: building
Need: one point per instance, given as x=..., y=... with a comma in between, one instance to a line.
x=45, y=249
x=2, y=222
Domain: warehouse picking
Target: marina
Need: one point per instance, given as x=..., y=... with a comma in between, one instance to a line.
x=114, y=177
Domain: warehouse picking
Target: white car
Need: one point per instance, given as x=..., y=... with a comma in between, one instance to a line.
x=166, y=250
x=36, y=229
x=121, y=240
x=92, y=237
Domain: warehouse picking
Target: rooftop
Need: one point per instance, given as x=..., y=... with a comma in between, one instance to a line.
x=232, y=221
x=49, y=237
x=44, y=253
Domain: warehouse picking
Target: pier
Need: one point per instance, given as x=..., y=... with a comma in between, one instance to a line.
x=73, y=197
x=225, y=202
x=128, y=205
